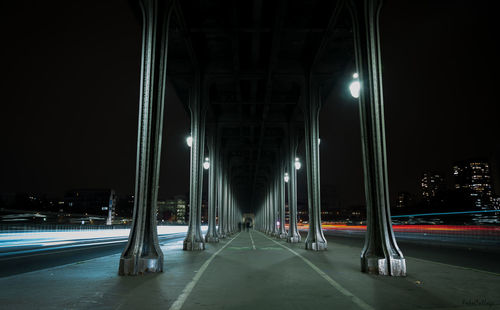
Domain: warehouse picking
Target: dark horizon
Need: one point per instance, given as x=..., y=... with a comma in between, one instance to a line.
x=71, y=89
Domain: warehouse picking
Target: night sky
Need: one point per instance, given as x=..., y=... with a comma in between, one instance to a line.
x=70, y=96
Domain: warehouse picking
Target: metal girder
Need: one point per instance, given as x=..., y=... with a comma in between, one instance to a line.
x=252, y=103
x=222, y=31
x=328, y=33
x=272, y=59
x=186, y=35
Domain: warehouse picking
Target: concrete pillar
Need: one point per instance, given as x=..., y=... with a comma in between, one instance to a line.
x=380, y=254
x=293, y=232
x=142, y=253
x=315, y=239
x=211, y=235
x=194, y=239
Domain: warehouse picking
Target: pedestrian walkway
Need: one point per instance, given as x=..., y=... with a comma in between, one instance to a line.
x=250, y=270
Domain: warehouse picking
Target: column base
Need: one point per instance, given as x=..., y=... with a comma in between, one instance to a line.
x=395, y=267
x=193, y=246
x=316, y=246
x=211, y=239
x=294, y=239
x=282, y=235
x=133, y=266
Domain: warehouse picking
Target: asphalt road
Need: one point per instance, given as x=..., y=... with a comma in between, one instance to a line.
x=478, y=257
x=481, y=258
x=33, y=259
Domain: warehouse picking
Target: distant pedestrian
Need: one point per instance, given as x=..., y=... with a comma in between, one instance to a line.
x=248, y=226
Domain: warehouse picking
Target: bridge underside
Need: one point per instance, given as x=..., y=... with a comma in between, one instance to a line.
x=253, y=76
x=254, y=59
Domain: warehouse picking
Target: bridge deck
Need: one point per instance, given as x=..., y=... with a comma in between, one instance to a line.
x=252, y=271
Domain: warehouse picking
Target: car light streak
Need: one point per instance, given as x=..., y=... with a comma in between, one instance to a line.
x=54, y=238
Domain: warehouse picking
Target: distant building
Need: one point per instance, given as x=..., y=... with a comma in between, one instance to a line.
x=403, y=200
x=474, y=179
x=204, y=212
x=173, y=210
x=496, y=202
x=431, y=185
x=96, y=204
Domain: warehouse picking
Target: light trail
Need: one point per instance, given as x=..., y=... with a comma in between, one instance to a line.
x=51, y=238
x=478, y=231
x=445, y=213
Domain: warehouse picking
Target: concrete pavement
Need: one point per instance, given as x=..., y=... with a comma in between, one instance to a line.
x=252, y=271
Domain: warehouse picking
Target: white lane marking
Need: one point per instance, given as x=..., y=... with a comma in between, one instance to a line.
x=335, y=284
x=177, y=305
x=251, y=238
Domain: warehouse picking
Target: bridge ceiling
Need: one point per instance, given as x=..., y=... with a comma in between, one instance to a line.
x=253, y=57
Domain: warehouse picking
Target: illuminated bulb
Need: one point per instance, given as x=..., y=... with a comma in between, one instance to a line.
x=206, y=164
x=355, y=86
x=287, y=178
x=297, y=163
x=189, y=141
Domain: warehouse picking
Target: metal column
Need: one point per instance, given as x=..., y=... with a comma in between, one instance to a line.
x=281, y=188
x=194, y=239
x=142, y=253
x=211, y=235
x=380, y=254
x=315, y=239
x=293, y=232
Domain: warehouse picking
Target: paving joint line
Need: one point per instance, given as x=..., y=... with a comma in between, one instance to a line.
x=363, y=305
x=251, y=238
x=177, y=305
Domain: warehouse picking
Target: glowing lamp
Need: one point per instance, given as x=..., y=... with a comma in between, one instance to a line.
x=206, y=164
x=297, y=163
x=355, y=86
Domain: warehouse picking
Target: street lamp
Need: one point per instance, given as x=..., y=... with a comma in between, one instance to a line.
x=355, y=86
x=297, y=163
x=189, y=141
x=206, y=164
x=287, y=177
